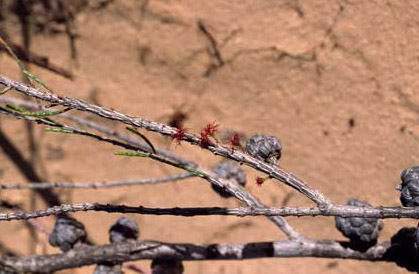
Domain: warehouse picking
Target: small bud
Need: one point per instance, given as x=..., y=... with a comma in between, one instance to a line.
x=363, y=232
x=260, y=181
x=229, y=171
x=409, y=188
x=235, y=140
x=123, y=230
x=264, y=148
x=67, y=233
x=162, y=266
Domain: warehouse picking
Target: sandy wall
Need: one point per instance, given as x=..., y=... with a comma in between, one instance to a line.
x=336, y=81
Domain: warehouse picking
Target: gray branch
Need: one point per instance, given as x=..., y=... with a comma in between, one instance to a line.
x=336, y=210
x=96, y=185
x=123, y=252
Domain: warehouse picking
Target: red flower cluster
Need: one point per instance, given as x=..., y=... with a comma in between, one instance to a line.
x=235, y=140
x=209, y=130
x=204, y=140
x=178, y=135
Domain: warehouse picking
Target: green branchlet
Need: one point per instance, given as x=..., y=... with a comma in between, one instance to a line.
x=60, y=130
x=36, y=114
x=131, y=154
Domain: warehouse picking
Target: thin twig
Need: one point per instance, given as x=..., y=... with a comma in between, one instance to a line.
x=96, y=185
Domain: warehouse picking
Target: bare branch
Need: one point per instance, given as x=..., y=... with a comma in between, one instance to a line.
x=123, y=252
x=337, y=210
x=97, y=185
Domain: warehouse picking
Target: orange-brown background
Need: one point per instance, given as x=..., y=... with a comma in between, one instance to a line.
x=299, y=70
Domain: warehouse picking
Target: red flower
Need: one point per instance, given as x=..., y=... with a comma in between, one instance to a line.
x=178, y=135
x=204, y=140
x=210, y=129
x=235, y=140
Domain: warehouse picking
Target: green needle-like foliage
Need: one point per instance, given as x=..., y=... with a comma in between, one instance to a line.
x=131, y=154
x=36, y=114
x=60, y=130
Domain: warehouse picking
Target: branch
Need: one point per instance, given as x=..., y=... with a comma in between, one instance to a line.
x=272, y=171
x=122, y=252
x=96, y=185
x=337, y=210
x=235, y=189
